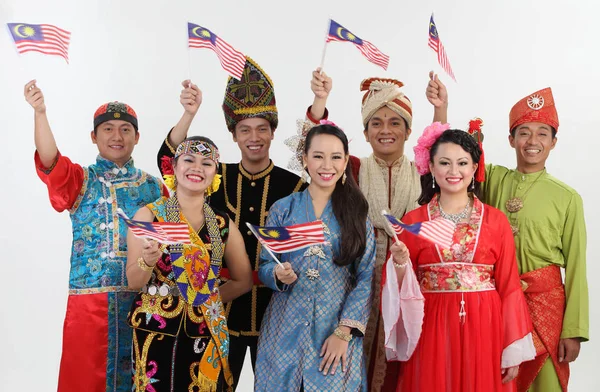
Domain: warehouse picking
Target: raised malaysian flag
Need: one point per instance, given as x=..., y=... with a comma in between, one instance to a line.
x=163, y=232
x=290, y=238
x=232, y=61
x=42, y=38
x=338, y=33
x=439, y=231
x=436, y=44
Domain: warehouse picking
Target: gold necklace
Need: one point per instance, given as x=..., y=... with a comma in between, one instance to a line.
x=515, y=204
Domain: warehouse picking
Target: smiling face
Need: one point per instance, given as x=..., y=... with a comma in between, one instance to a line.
x=253, y=136
x=532, y=143
x=115, y=140
x=325, y=161
x=194, y=172
x=386, y=132
x=453, y=168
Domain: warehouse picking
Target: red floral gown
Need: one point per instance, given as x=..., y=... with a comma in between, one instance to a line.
x=466, y=353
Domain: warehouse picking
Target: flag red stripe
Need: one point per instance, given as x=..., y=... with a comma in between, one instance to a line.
x=49, y=52
x=232, y=61
x=41, y=47
x=58, y=30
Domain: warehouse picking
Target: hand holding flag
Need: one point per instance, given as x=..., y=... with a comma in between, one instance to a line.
x=163, y=232
x=438, y=231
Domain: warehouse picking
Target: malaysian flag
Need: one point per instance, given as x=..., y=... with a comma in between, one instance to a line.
x=42, y=38
x=436, y=44
x=231, y=60
x=163, y=232
x=439, y=231
x=290, y=238
x=338, y=33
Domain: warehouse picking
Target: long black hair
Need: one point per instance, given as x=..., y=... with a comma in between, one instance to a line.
x=467, y=143
x=349, y=205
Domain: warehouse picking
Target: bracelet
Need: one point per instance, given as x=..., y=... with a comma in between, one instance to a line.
x=400, y=266
x=342, y=335
x=142, y=264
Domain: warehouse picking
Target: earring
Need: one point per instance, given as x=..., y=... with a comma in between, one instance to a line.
x=344, y=179
x=473, y=183
x=433, y=184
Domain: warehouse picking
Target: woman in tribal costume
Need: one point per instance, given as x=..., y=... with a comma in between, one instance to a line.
x=180, y=336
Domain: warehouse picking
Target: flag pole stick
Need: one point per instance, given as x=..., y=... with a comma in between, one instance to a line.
x=189, y=56
x=264, y=246
x=384, y=212
x=325, y=46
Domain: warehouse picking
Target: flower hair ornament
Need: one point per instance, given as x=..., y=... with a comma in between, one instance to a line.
x=475, y=131
x=191, y=147
x=423, y=148
x=297, y=142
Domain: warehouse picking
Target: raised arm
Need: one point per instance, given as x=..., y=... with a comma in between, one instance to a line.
x=320, y=85
x=437, y=95
x=191, y=99
x=44, y=139
x=238, y=264
x=63, y=178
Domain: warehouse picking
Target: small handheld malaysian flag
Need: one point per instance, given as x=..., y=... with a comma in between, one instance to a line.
x=436, y=44
x=338, y=33
x=163, y=232
x=232, y=61
x=439, y=231
x=42, y=38
x=290, y=238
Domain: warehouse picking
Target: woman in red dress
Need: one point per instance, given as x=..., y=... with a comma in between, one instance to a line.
x=476, y=328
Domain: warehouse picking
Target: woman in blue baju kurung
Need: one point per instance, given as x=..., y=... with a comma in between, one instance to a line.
x=311, y=335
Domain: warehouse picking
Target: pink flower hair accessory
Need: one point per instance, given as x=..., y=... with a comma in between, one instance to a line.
x=328, y=122
x=423, y=148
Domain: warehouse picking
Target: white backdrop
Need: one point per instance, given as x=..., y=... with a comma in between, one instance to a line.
x=136, y=51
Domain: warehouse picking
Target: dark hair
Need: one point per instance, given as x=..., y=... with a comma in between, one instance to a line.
x=346, y=197
x=464, y=140
x=514, y=130
x=198, y=139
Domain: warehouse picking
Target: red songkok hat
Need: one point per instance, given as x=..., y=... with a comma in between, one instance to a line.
x=537, y=107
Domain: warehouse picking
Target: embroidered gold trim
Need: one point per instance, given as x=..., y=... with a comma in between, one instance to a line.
x=256, y=110
x=238, y=202
x=99, y=290
x=298, y=185
x=169, y=144
x=227, y=203
x=86, y=176
x=249, y=333
x=353, y=324
x=257, y=176
x=140, y=377
x=251, y=61
x=157, y=305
